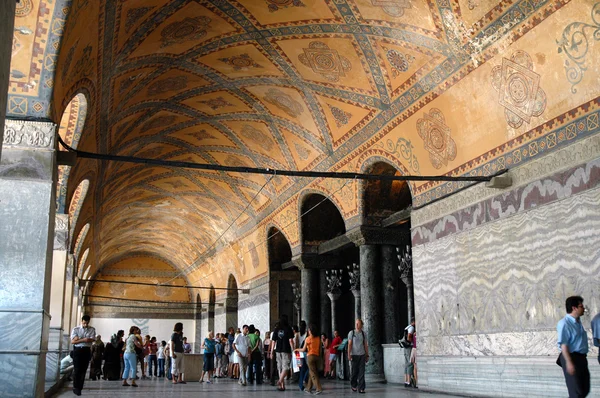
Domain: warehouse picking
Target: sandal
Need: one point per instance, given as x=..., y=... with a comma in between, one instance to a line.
x=125, y=384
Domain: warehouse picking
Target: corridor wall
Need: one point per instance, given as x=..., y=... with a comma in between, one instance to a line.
x=492, y=270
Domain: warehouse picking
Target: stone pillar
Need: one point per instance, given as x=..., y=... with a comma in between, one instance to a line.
x=354, y=272
x=68, y=303
x=310, y=296
x=391, y=312
x=370, y=286
x=7, y=10
x=406, y=276
x=27, y=207
x=326, y=315
x=57, y=296
x=334, y=283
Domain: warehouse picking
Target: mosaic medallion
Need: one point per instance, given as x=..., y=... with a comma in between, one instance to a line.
x=325, y=61
x=216, y=103
x=284, y=102
x=23, y=8
x=302, y=151
x=340, y=116
x=435, y=133
x=240, y=62
x=184, y=30
x=395, y=8
x=275, y=5
x=166, y=85
x=518, y=89
x=398, y=61
x=253, y=134
x=203, y=135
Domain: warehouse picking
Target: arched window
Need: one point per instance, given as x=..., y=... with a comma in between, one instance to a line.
x=82, y=263
x=80, y=239
x=87, y=271
x=70, y=129
x=76, y=204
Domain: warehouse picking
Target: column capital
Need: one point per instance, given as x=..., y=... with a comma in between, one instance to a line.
x=28, y=134
x=363, y=235
x=315, y=261
x=61, y=232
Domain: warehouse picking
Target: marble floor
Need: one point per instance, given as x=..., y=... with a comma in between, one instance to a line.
x=227, y=388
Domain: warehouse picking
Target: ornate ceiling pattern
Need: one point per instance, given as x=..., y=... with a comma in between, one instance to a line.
x=435, y=87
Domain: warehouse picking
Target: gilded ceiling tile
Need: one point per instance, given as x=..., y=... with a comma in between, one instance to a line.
x=410, y=12
x=132, y=15
x=203, y=135
x=189, y=27
x=303, y=152
x=240, y=61
x=259, y=138
x=271, y=12
x=330, y=61
x=217, y=103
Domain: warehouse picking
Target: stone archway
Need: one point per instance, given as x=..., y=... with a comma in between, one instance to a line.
x=211, y=309
x=282, y=275
x=231, y=304
x=387, y=204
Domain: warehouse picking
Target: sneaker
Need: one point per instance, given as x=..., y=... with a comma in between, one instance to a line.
x=318, y=392
x=307, y=392
x=361, y=392
x=353, y=389
x=208, y=382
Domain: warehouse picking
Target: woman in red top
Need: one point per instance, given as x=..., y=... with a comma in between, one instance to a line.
x=337, y=340
x=312, y=346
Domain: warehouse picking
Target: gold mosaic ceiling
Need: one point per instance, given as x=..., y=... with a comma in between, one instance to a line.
x=286, y=84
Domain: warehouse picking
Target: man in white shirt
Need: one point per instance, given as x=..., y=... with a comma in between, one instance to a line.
x=358, y=353
x=596, y=332
x=240, y=345
x=82, y=338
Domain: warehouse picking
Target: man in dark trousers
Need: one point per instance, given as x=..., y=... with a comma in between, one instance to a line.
x=82, y=338
x=573, y=344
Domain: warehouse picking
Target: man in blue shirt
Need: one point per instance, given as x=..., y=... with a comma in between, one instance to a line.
x=573, y=343
x=596, y=332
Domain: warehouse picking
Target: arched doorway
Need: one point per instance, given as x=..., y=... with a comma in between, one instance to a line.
x=231, y=304
x=388, y=204
x=211, y=309
x=198, y=321
x=321, y=221
x=282, y=275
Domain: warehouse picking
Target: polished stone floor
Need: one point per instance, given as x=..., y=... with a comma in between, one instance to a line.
x=227, y=388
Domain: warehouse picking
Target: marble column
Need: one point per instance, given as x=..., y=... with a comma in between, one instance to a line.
x=390, y=277
x=57, y=296
x=371, y=308
x=354, y=272
x=326, y=315
x=27, y=207
x=310, y=296
x=7, y=10
x=68, y=302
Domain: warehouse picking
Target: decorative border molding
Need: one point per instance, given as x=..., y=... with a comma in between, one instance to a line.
x=580, y=152
x=25, y=134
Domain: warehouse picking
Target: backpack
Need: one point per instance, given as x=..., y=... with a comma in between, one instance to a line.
x=363, y=335
x=404, y=343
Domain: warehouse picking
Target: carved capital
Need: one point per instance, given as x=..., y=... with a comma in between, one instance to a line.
x=61, y=232
x=25, y=134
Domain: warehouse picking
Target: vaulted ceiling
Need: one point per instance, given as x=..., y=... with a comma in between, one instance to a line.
x=290, y=84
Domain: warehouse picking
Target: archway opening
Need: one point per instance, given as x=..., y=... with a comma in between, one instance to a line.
x=387, y=204
x=231, y=304
x=282, y=275
x=321, y=220
x=212, y=298
x=384, y=198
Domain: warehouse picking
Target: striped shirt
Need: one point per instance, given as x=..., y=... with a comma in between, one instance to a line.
x=83, y=333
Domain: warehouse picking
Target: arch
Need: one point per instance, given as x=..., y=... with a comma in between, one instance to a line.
x=323, y=222
x=279, y=250
x=76, y=205
x=198, y=321
x=87, y=271
x=81, y=263
x=80, y=239
x=70, y=130
x=231, y=303
x=380, y=199
x=212, y=298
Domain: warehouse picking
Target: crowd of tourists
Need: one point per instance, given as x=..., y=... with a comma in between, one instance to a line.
x=286, y=355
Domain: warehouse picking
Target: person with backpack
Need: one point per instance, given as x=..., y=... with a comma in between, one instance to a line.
x=358, y=354
x=407, y=340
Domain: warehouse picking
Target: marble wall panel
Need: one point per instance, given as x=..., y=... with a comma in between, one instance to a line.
x=255, y=310
x=511, y=275
x=20, y=330
x=18, y=375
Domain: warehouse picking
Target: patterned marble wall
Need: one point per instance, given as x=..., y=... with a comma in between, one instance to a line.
x=254, y=309
x=491, y=278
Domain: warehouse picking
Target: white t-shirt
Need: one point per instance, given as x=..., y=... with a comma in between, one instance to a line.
x=241, y=343
x=160, y=354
